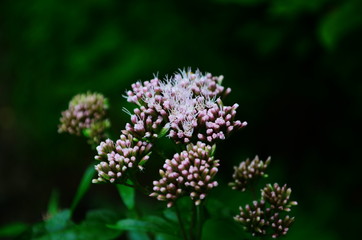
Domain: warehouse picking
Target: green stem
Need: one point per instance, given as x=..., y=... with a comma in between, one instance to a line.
x=196, y=222
x=140, y=187
x=199, y=222
x=193, y=220
x=253, y=191
x=137, y=185
x=182, y=226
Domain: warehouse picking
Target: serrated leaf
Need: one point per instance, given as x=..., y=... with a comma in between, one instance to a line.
x=83, y=186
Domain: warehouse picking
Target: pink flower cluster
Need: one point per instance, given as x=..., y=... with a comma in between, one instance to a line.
x=190, y=103
x=189, y=173
x=84, y=112
x=268, y=216
x=118, y=159
x=188, y=108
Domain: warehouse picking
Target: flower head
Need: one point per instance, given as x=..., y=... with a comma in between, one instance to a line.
x=268, y=216
x=248, y=171
x=117, y=159
x=280, y=225
x=190, y=172
x=190, y=103
x=254, y=218
x=278, y=197
x=85, y=115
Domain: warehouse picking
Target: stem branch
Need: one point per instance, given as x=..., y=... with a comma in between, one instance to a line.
x=182, y=226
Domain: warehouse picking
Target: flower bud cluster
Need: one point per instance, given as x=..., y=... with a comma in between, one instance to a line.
x=254, y=218
x=278, y=197
x=85, y=114
x=145, y=123
x=190, y=172
x=267, y=216
x=119, y=158
x=247, y=172
x=280, y=226
x=189, y=103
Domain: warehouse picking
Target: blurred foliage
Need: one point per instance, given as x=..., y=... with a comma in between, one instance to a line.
x=293, y=65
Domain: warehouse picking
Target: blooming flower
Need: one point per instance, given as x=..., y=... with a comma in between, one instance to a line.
x=190, y=103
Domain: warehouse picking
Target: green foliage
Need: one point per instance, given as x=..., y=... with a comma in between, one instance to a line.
x=151, y=224
x=12, y=229
x=83, y=187
x=127, y=194
x=339, y=22
x=222, y=229
x=95, y=225
x=53, y=205
x=60, y=226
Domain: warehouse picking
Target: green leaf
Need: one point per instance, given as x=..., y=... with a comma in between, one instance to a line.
x=94, y=225
x=83, y=186
x=164, y=130
x=151, y=226
x=13, y=229
x=242, y=2
x=293, y=8
x=135, y=235
x=166, y=237
x=59, y=221
x=222, y=229
x=87, y=132
x=53, y=205
x=339, y=22
x=127, y=194
x=167, y=226
x=170, y=214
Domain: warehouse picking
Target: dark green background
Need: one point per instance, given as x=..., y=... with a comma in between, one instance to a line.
x=295, y=68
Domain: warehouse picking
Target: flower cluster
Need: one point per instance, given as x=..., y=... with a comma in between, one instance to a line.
x=253, y=218
x=267, y=216
x=280, y=226
x=247, y=172
x=189, y=104
x=85, y=115
x=278, y=197
x=145, y=123
x=120, y=158
x=189, y=173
